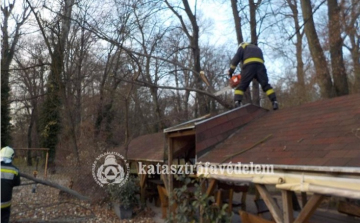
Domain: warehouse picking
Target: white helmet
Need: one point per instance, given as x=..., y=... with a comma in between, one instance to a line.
x=7, y=152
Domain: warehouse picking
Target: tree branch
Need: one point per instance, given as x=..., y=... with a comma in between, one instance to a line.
x=146, y=84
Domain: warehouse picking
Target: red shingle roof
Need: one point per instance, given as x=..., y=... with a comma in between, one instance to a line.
x=148, y=147
x=322, y=133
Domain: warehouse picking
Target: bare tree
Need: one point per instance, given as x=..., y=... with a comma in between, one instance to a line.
x=29, y=80
x=317, y=53
x=193, y=35
x=8, y=47
x=350, y=11
x=293, y=5
x=56, y=44
x=336, y=53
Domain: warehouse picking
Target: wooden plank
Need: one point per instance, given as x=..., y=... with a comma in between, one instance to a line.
x=287, y=206
x=270, y=203
x=309, y=208
x=348, y=208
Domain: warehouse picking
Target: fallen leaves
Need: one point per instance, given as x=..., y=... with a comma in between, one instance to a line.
x=46, y=204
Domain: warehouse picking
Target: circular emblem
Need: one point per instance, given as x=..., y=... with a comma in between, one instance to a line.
x=110, y=168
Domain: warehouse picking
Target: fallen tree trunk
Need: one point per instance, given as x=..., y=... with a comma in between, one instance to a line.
x=55, y=185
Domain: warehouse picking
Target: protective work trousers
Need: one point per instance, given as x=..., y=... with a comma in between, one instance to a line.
x=249, y=72
x=5, y=215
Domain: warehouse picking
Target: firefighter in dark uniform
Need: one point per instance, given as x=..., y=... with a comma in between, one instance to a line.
x=9, y=178
x=251, y=59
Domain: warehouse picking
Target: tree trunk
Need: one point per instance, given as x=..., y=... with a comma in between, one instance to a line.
x=240, y=39
x=202, y=107
x=29, y=136
x=159, y=124
x=317, y=53
x=254, y=40
x=299, y=61
x=7, y=54
x=336, y=54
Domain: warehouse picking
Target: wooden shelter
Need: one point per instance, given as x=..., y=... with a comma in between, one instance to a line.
x=149, y=150
x=313, y=148
x=199, y=136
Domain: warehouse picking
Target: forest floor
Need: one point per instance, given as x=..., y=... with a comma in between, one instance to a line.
x=48, y=205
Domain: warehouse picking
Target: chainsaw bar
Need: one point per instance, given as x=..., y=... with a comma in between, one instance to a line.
x=223, y=90
x=233, y=82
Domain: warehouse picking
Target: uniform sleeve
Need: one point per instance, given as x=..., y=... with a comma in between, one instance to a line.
x=17, y=180
x=237, y=58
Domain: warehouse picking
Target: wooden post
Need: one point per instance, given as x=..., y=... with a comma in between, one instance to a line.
x=170, y=176
x=303, y=199
x=46, y=163
x=243, y=201
x=270, y=203
x=170, y=161
x=142, y=178
x=287, y=206
x=309, y=208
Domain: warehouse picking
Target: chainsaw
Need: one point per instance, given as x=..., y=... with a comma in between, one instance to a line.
x=234, y=81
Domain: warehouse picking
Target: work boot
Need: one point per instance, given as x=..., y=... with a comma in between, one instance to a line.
x=237, y=104
x=275, y=105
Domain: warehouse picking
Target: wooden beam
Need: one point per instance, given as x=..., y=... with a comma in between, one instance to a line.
x=349, y=208
x=182, y=133
x=309, y=208
x=211, y=187
x=287, y=206
x=35, y=149
x=270, y=203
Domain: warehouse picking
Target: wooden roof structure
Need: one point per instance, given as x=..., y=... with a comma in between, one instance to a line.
x=313, y=148
x=148, y=148
x=322, y=133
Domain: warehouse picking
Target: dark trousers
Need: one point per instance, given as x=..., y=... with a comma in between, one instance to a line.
x=5, y=215
x=254, y=71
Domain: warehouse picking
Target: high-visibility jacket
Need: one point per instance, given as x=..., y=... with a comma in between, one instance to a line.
x=9, y=179
x=247, y=53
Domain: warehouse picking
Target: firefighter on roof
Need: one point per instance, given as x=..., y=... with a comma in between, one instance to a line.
x=252, y=65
